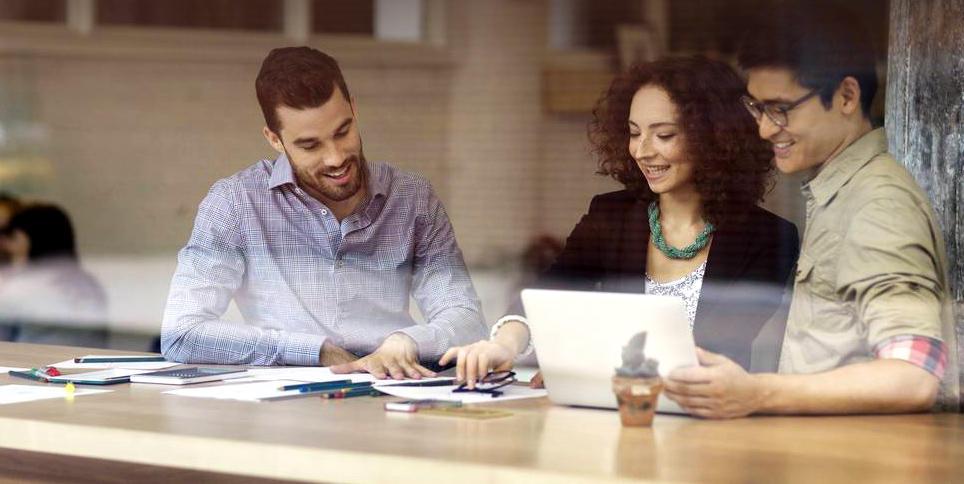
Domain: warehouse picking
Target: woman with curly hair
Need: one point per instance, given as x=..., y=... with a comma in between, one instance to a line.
x=675, y=134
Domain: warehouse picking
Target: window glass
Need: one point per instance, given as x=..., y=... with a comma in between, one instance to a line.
x=263, y=15
x=34, y=10
x=340, y=17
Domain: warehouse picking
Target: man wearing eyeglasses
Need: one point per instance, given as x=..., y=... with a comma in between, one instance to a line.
x=870, y=328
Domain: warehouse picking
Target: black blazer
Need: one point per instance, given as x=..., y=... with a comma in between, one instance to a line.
x=747, y=271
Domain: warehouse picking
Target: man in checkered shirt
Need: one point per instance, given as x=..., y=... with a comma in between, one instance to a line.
x=320, y=249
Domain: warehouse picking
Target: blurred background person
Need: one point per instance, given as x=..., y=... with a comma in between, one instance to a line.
x=45, y=295
x=9, y=205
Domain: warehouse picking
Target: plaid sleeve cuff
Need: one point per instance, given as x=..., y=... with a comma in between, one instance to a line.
x=426, y=342
x=927, y=353
x=302, y=349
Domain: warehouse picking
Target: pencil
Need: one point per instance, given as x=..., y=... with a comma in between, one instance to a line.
x=299, y=386
x=316, y=387
x=357, y=392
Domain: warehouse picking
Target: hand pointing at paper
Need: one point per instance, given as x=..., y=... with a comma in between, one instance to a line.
x=397, y=358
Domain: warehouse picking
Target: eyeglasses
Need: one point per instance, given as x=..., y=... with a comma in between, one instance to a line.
x=490, y=383
x=777, y=112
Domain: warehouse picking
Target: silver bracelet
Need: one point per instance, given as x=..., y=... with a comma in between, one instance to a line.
x=519, y=319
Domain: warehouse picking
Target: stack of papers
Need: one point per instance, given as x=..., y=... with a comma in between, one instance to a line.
x=265, y=387
x=263, y=384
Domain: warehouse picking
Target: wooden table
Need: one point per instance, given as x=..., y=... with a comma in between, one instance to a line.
x=137, y=434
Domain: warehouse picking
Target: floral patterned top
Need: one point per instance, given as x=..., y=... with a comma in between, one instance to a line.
x=687, y=288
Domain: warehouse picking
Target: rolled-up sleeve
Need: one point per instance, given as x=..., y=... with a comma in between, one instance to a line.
x=888, y=269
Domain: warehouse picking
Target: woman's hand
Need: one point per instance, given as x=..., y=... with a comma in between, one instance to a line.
x=537, y=381
x=477, y=359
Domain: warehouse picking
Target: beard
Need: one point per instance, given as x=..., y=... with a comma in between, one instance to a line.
x=317, y=183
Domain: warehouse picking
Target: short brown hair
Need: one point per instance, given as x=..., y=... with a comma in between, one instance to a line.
x=297, y=77
x=732, y=164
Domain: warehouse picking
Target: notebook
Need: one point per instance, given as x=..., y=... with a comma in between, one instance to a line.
x=184, y=376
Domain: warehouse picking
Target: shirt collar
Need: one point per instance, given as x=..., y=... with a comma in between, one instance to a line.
x=844, y=166
x=378, y=180
x=282, y=173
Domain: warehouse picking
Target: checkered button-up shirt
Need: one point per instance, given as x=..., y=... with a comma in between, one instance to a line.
x=300, y=277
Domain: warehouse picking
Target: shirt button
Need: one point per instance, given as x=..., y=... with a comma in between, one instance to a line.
x=324, y=212
x=340, y=263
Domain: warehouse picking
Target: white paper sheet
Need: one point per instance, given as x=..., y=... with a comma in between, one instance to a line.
x=143, y=365
x=245, y=392
x=5, y=369
x=29, y=393
x=304, y=374
x=512, y=392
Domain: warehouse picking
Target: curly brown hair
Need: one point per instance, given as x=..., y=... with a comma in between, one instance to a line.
x=733, y=166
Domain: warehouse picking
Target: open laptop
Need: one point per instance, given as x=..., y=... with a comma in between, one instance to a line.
x=579, y=337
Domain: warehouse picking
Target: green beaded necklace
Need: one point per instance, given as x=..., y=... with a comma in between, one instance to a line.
x=673, y=252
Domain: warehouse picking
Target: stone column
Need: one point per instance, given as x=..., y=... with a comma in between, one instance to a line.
x=925, y=114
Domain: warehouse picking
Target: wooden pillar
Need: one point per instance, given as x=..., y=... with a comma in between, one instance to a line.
x=925, y=110
x=925, y=115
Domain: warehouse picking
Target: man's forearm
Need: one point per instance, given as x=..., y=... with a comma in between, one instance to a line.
x=879, y=386
x=226, y=343
x=453, y=326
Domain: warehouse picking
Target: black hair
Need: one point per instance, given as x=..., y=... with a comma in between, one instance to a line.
x=820, y=41
x=49, y=229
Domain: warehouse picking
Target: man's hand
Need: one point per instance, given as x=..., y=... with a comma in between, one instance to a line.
x=334, y=355
x=396, y=357
x=719, y=388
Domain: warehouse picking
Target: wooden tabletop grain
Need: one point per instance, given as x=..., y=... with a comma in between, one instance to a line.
x=356, y=441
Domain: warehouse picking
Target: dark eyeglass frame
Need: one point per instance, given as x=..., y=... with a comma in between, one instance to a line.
x=493, y=381
x=779, y=113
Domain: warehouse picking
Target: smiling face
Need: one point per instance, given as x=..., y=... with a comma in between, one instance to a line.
x=656, y=142
x=813, y=134
x=324, y=148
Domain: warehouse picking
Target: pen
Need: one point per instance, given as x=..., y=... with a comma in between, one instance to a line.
x=299, y=386
x=121, y=359
x=32, y=374
x=356, y=392
x=433, y=383
x=310, y=388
